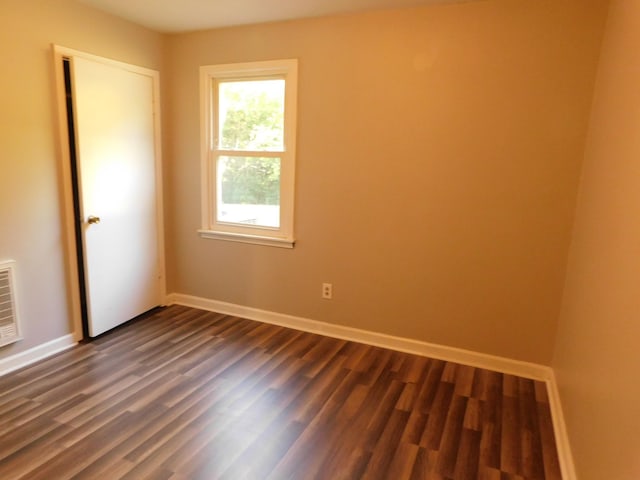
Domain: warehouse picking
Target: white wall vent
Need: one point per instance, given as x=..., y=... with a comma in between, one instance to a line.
x=9, y=328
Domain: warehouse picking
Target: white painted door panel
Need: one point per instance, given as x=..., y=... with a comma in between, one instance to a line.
x=117, y=180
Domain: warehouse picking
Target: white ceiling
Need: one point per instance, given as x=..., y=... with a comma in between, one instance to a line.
x=187, y=15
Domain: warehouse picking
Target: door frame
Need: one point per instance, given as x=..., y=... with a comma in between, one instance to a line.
x=61, y=53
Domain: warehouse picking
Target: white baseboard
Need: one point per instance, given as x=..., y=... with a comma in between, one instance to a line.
x=408, y=345
x=567, y=467
x=40, y=352
x=442, y=352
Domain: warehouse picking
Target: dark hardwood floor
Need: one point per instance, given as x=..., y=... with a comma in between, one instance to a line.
x=188, y=394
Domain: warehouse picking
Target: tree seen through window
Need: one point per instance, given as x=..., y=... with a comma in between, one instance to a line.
x=251, y=119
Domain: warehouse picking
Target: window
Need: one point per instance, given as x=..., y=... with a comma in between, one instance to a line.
x=248, y=151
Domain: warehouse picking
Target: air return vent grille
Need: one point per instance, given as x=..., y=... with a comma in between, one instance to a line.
x=9, y=331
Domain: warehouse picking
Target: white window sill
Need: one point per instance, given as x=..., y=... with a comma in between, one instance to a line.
x=244, y=238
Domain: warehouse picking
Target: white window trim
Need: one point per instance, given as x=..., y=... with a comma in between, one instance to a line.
x=211, y=228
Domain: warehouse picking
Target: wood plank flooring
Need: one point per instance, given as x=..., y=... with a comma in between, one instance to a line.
x=188, y=394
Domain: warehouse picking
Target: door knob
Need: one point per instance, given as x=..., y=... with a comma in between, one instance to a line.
x=92, y=220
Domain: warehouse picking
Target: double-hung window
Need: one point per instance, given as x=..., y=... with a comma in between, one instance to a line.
x=248, y=151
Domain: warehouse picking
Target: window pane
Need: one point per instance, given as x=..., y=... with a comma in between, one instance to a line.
x=249, y=191
x=251, y=115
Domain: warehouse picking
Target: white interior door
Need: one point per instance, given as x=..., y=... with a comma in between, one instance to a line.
x=118, y=191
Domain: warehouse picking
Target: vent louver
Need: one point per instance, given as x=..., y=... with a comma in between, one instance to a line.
x=9, y=331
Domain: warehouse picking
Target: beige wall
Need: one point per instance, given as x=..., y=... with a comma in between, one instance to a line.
x=438, y=159
x=30, y=194
x=597, y=359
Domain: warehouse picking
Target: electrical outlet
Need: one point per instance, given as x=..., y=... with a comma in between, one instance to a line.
x=327, y=291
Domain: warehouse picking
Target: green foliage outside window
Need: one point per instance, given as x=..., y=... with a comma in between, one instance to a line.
x=251, y=180
x=253, y=120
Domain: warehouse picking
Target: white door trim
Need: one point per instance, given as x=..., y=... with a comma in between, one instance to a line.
x=68, y=220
